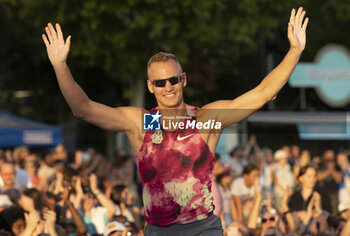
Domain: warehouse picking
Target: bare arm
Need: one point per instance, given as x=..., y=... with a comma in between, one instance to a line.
x=346, y=229
x=78, y=220
x=243, y=106
x=337, y=175
x=253, y=216
x=105, y=202
x=238, y=205
x=118, y=119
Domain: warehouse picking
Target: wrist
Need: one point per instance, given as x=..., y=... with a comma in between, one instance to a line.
x=59, y=65
x=295, y=51
x=96, y=192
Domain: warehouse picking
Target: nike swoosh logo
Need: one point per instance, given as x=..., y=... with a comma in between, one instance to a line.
x=184, y=137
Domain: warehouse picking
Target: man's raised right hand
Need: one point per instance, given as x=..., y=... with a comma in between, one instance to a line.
x=57, y=49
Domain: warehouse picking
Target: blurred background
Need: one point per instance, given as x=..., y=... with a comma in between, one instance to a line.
x=225, y=47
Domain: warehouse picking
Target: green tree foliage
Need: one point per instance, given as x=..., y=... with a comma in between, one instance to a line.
x=221, y=43
x=115, y=38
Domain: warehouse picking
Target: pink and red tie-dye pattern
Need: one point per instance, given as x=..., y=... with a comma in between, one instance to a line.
x=176, y=177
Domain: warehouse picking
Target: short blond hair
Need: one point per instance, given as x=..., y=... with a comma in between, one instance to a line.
x=162, y=57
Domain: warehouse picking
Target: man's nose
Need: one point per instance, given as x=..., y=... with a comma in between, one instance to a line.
x=168, y=86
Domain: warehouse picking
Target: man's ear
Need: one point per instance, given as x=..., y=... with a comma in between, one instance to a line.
x=185, y=79
x=150, y=87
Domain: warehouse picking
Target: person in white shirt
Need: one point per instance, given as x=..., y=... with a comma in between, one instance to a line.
x=242, y=190
x=283, y=177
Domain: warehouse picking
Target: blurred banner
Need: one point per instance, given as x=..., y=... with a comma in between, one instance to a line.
x=17, y=131
x=329, y=75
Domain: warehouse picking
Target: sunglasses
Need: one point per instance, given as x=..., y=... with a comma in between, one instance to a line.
x=264, y=220
x=172, y=80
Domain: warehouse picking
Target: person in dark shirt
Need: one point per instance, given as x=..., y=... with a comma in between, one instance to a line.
x=329, y=177
x=306, y=201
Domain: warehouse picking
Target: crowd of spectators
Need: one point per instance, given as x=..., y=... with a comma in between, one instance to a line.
x=52, y=193
x=257, y=191
x=289, y=191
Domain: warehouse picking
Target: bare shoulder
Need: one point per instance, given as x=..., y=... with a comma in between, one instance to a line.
x=132, y=112
x=116, y=119
x=220, y=104
x=132, y=116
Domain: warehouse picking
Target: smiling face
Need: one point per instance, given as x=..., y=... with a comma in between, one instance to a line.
x=8, y=175
x=170, y=96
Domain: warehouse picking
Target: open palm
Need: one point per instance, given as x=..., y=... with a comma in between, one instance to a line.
x=57, y=48
x=297, y=29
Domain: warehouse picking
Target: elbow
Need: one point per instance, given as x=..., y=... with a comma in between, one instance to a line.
x=273, y=98
x=270, y=96
x=265, y=94
x=81, y=109
x=78, y=114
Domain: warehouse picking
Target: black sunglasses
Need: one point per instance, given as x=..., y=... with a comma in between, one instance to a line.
x=172, y=80
x=264, y=220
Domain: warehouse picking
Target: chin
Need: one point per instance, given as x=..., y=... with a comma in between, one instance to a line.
x=171, y=105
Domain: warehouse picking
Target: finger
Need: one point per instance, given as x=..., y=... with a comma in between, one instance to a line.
x=67, y=48
x=53, y=31
x=45, y=40
x=302, y=18
x=292, y=15
x=305, y=23
x=59, y=32
x=297, y=17
x=49, y=34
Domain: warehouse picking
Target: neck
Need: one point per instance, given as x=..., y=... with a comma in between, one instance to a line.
x=306, y=192
x=173, y=111
x=181, y=106
x=245, y=182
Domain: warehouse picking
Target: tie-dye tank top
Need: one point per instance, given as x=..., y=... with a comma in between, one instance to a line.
x=176, y=177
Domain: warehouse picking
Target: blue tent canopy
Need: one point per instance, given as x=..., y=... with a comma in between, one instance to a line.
x=16, y=131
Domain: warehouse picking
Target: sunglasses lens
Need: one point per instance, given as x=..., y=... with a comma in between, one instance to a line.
x=159, y=83
x=174, y=80
x=162, y=82
x=264, y=220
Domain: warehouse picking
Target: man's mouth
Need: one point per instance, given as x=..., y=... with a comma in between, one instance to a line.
x=169, y=95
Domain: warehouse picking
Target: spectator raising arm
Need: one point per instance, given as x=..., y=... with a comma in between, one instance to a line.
x=105, y=202
x=78, y=220
x=252, y=220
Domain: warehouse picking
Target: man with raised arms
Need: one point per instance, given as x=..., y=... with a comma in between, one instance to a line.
x=175, y=165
